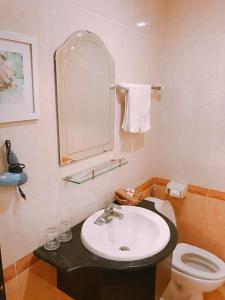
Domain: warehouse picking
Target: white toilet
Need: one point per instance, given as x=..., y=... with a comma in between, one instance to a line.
x=194, y=270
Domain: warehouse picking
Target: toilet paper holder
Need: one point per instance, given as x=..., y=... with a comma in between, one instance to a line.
x=177, y=190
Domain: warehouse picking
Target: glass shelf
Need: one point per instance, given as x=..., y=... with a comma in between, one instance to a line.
x=95, y=171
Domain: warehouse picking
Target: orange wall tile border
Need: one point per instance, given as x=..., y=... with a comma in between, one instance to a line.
x=194, y=189
x=20, y=266
x=9, y=273
x=198, y=190
x=161, y=181
x=216, y=194
x=27, y=261
x=147, y=184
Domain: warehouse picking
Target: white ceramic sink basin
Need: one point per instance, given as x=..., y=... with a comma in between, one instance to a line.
x=141, y=233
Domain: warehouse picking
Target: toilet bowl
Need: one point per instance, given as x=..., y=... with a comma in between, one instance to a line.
x=197, y=269
x=194, y=270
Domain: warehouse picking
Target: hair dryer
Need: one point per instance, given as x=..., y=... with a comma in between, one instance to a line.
x=15, y=176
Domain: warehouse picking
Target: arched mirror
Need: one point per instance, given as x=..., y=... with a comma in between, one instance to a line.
x=85, y=78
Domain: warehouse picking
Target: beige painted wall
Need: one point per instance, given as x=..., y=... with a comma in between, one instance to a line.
x=191, y=124
x=137, y=58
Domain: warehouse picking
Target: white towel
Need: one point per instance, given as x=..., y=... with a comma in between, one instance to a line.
x=137, y=107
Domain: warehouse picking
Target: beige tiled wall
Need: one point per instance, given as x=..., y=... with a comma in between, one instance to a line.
x=190, y=119
x=137, y=59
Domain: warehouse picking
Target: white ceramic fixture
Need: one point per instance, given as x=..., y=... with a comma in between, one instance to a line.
x=195, y=270
x=141, y=233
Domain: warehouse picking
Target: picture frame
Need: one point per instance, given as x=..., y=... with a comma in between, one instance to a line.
x=19, y=90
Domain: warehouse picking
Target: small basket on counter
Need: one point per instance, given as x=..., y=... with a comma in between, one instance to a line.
x=128, y=197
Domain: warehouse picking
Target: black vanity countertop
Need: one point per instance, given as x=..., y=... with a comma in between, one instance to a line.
x=73, y=255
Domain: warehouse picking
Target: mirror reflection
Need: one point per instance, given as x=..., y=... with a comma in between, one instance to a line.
x=84, y=76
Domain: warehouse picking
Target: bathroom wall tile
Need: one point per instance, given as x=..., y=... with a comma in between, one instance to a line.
x=155, y=72
x=151, y=12
x=177, y=58
x=57, y=31
x=140, y=47
x=191, y=114
x=25, y=262
x=99, y=7
x=159, y=191
x=198, y=190
x=193, y=163
x=28, y=19
x=216, y=194
x=12, y=289
x=187, y=116
x=197, y=67
x=7, y=228
x=147, y=192
x=123, y=11
x=121, y=38
x=157, y=18
x=161, y=181
x=208, y=19
x=143, y=10
x=207, y=57
x=217, y=164
x=178, y=19
x=9, y=273
x=222, y=80
x=172, y=167
x=148, y=184
x=39, y=279
x=216, y=295
x=139, y=188
x=214, y=235
x=190, y=223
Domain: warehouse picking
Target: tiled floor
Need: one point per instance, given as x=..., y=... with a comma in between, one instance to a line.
x=216, y=295
x=39, y=283
x=36, y=283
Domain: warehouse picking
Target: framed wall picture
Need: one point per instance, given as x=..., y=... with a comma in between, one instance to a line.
x=19, y=99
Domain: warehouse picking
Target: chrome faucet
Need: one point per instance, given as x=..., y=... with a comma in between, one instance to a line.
x=109, y=214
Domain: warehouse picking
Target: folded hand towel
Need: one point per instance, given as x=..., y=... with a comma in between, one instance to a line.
x=137, y=107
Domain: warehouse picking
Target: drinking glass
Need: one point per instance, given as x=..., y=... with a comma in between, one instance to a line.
x=65, y=233
x=51, y=239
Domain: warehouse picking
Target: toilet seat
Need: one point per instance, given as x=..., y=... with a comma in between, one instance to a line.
x=197, y=262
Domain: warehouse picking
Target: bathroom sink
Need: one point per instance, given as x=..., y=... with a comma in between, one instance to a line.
x=141, y=233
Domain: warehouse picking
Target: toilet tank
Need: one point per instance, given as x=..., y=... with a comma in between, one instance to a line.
x=164, y=207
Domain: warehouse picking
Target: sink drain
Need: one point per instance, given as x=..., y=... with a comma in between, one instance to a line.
x=124, y=248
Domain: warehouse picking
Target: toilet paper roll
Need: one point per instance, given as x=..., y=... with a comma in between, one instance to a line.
x=175, y=194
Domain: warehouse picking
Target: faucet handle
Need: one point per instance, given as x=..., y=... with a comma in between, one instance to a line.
x=110, y=206
x=116, y=206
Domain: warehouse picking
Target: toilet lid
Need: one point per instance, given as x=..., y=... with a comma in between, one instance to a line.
x=197, y=262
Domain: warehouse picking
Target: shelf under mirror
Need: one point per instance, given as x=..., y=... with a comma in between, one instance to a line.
x=96, y=171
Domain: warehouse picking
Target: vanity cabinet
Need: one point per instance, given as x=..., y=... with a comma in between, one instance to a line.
x=85, y=276
x=94, y=284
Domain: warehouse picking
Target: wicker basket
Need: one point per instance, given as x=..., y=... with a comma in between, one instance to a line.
x=125, y=199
